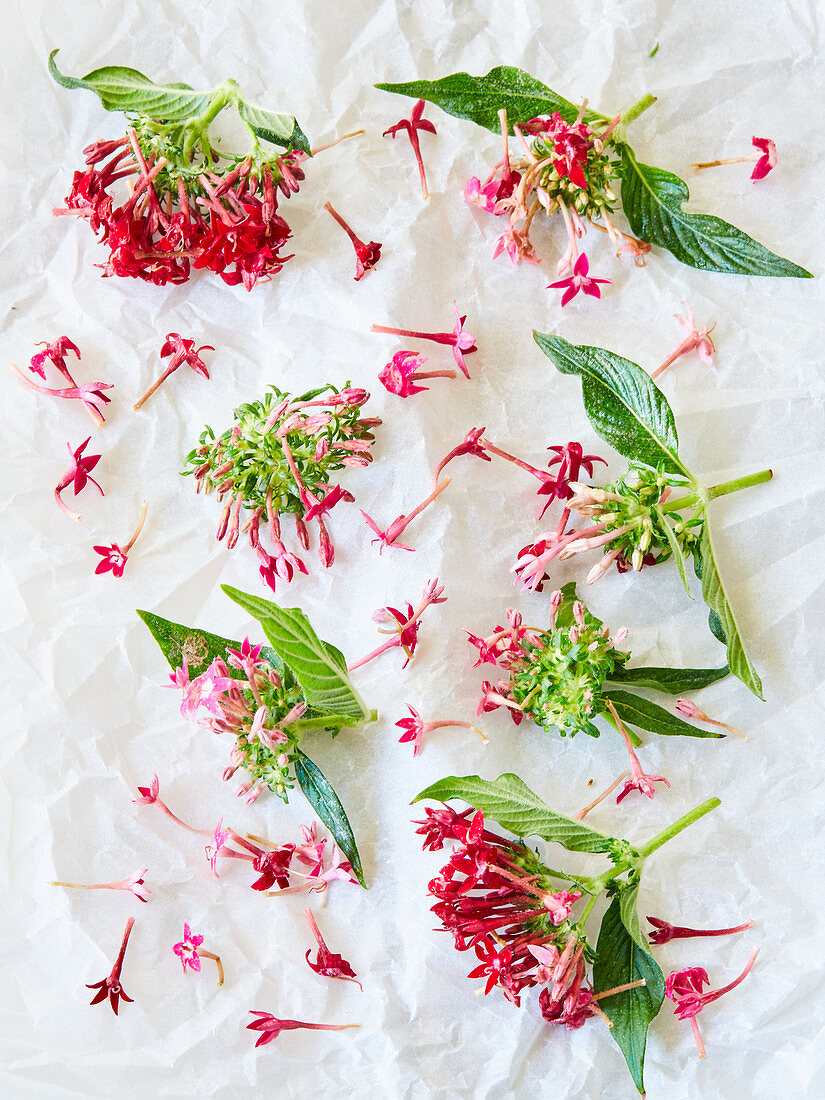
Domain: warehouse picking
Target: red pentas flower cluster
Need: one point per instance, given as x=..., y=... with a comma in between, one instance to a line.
x=495, y=897
x=178, y=215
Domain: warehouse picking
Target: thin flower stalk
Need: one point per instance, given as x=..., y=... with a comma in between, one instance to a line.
x=664, y=932
x=390, y=536
x=150, y=796
x=270, y=1027
x=181, y=350
x=689, y=709
x=134, y=884
x=765, y=157
x=90, y=394
x=415, y=729
x=638, y=780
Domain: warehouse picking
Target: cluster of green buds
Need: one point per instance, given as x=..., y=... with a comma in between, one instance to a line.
x=277, y=458
x=555, y=675
x=572, y=167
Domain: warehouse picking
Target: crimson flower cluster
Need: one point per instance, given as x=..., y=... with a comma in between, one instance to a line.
x=277, y=458
x=495, y=897
x=162, y=211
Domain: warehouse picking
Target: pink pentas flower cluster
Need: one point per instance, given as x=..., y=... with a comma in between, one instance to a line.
x=562, y=166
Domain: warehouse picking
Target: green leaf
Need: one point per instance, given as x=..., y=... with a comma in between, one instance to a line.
x=619, y=959
x=652, y=201
x=480, y=98
x=625, y=407
x=278, y=129
x=199, y=647
x=510, y=802
x=651, y=717
x=320, y=667
x=675, y=549
x=714, y=596
x=672, y=681
x=124, y=89
x=327, y=805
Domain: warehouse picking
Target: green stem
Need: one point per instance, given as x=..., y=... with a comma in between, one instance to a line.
x=678, y=504
x=638, y=108
x=588, y=908
x=673, y=830
x=738, y=483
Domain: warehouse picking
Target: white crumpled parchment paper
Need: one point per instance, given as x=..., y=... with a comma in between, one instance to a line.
x=86, y=720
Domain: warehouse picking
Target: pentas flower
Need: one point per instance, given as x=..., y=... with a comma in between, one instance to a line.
x=261, y=709
x=134, y=884
x=697, y=339
x=664, y=932
x=327, y=963
x=366, y=255
x=684, y=988
x=403, y=625
x=688, y=709
x=182, y=350
x=765, y=157
x=412, y=125
x=277, y=865
x=415, y=728
x=270, y=1027
x=78, y=476
x=110, y=987
x=150, y=796
x=277, y=459
x=579, y=280
x=494, y=896
x=638, y=780
x=403, y=371
x=114, y=557
x=390, y=536
x=55, y=354
x=90, y=394
x=189, y=951
x=562, y=167
x=459, y=339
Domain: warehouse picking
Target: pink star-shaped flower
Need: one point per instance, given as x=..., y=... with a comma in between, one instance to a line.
x=187, y=950
x=767, y=162
x=579, y=280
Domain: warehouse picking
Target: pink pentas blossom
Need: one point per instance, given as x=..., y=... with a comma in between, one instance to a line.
x=327, y=963
x=688, y=709
x=111, y=986
x=767, y=159
x=367, y=255
x=579, y=280
x=412, y=125
x=461, y=341
x=518, y=246
x=404, y=370
x=55, y=354
x=638, y=780
x=404, y=626
x=187, y=950
x=270, y=1027
x=684, y=988
x=571, y=460
x=697, y=339
x=485, y=196
x=472, y=444
x=663, y=932
x=182, y=350
x=78, y=476
x=114, y=557
x=415, y=729
x=134, y=884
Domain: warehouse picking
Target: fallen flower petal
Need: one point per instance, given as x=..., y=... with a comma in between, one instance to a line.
x=415, y=729
x=134, y=884
x=189, y=951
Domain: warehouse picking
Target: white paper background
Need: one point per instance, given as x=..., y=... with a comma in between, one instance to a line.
x=86, y=719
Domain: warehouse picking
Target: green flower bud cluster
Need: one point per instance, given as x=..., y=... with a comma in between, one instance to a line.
x=559, y=683
x=598, y=170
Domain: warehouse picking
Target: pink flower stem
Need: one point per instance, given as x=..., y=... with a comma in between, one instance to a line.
x=173, y=366
x=464, y=725
x=582, y=814
x=728, y=160
x=688, y=344
x=493, y=449
x=436, y=337
x=68, y=393
x=635, y=765
x=89, y=886
x=424, y=504
x=331, y=210
x=138, y=529
x=337, y=141
x=175, y=818
x=124, y=943
x=432, y=374
x=697, y=1035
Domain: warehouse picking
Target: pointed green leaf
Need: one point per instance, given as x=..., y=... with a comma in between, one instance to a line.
x=480, y=98
x=651, y=717
x=625, y=407
x=652, y=201
x=672, y=681
x=675, y=550
x=278, y=129
x=199, y=647
x=327, y=805
x=123, y=89
x=510, y=802
x=320, y=667
x=722, y=617
x=621, y=959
